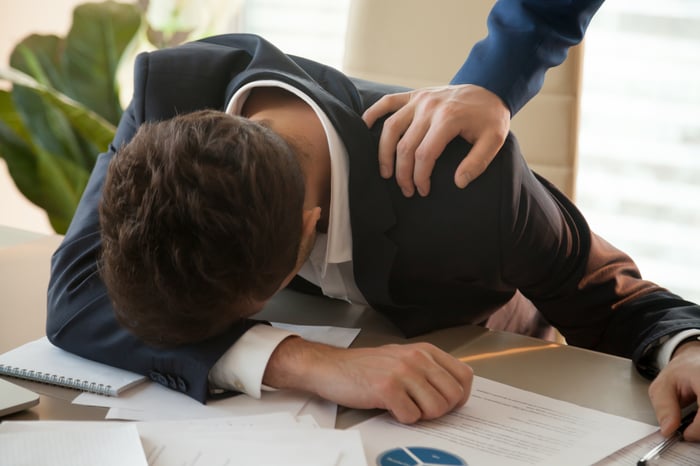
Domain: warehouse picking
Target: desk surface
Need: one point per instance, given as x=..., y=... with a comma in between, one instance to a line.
x=587, y=378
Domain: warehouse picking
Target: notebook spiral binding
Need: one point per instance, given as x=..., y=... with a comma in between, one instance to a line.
x=54, y=379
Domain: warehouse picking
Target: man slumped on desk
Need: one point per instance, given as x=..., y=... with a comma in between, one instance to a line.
x=237, y=171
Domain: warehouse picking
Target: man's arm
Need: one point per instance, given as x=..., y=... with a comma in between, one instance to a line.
x=525, y=39
x=594, y=293
x=412, y=382
x=501, y=74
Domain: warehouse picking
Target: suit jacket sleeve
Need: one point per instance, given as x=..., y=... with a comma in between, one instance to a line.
x=80, y=317
x=587, y=288
x=525, y=38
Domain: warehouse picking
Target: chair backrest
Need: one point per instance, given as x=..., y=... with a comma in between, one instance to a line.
x=417, y=43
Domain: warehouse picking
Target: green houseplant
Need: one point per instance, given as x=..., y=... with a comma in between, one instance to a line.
x=63, y=105
x=63, y=102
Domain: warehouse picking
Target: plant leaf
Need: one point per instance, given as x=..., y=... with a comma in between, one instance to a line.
x=51, y=163
x=64, y=105
x=51, y=182
x=100, y=35
x=39, y=57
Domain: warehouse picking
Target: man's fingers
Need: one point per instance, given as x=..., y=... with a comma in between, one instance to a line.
x=387, y=104
x=433, y=143
x=447, y=385
x=462, y=373
x=433, y=381
x=664, y=399
x=404, y=408
x=407, y=162
x=392, y=132
x=434, y=394
x=692, y=432
x=477, y=160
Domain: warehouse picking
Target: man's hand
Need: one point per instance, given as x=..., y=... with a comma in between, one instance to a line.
x=677, y=386
x=426, y=120
x=413, y=382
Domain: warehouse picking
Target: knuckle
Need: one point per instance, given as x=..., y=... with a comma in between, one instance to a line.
x=425, y=346
x=423, y=154
x=392, y=125
x=388, y=385
x=467, y=371
x=436, y=409
x=449, y=111
x=413, y=354
x=404, y=148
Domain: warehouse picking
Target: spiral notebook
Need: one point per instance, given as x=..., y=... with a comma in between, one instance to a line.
x=41, y=361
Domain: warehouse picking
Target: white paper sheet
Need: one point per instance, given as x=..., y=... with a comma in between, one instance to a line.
x=271, y=439
x=302, y=446
x=506, y=426
x=323, y=412
x=341, y=337
x=152, y=401
x=115, y=445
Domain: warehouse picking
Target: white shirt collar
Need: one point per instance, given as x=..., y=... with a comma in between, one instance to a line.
x=339, y=237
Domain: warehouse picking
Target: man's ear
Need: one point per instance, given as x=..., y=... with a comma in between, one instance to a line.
x=311, y=218
x=308, y=238
x=308, y=235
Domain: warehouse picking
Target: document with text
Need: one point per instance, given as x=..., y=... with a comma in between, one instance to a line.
x=502, y=425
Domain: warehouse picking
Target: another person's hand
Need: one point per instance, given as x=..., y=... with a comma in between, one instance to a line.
x=426, y=120
x=412, y=382
x=677, y=386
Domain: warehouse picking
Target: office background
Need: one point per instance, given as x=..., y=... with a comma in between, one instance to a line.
x=639, y=143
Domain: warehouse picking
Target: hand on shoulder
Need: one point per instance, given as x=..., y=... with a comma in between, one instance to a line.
x=424, y=121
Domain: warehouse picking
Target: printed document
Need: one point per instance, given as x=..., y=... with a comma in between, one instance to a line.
x=502, y=425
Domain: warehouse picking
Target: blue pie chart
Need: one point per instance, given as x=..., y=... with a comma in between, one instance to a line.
x=418, y=456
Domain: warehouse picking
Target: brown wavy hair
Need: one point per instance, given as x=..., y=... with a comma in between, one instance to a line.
x=200, y=214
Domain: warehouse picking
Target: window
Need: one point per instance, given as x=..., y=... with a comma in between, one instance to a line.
x=310, y=28
x=639, y=161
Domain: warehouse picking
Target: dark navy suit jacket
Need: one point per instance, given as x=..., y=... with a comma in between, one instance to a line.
x=451, y=258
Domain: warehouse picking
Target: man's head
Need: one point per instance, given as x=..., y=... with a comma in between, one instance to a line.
x=201, y=220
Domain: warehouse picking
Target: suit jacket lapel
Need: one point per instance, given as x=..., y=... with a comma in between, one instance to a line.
x=371, y=212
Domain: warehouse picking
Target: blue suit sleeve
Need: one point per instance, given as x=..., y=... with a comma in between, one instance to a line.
x=525, y=38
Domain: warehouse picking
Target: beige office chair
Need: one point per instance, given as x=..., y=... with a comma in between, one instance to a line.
x=417, y=43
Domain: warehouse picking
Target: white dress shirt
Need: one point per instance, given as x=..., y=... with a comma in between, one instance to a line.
x=329, y=265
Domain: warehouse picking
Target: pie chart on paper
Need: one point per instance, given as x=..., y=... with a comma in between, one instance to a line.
x=418, y=456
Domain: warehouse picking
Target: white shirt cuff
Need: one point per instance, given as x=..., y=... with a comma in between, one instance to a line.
x=663, y=356
x=242, y=367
